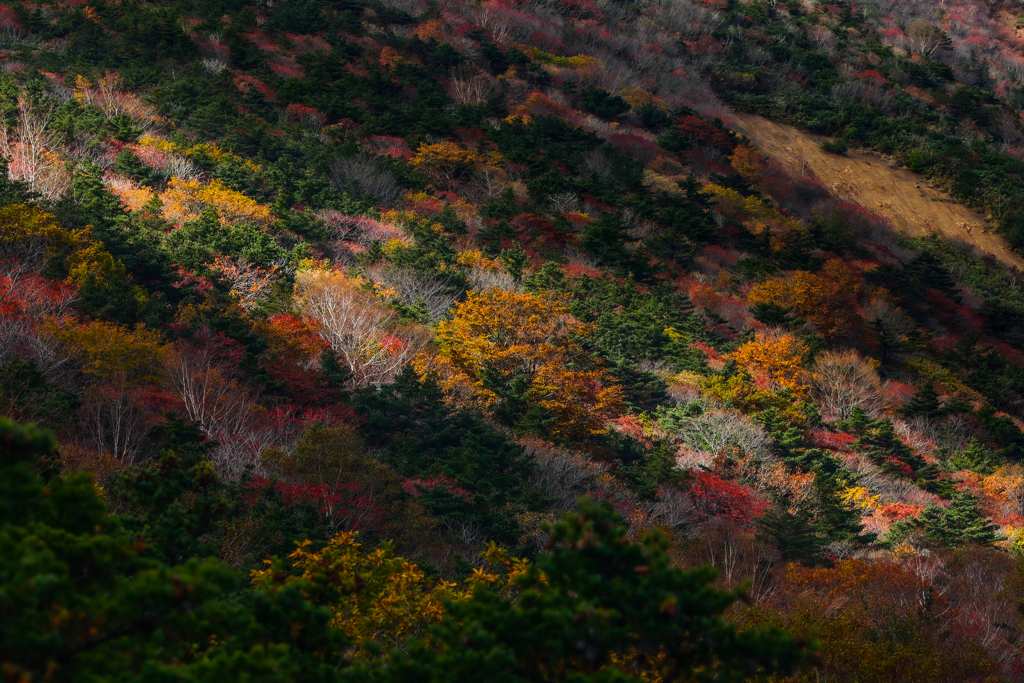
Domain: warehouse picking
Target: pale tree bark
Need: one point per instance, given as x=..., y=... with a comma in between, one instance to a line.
x=31, y=150
x=357, y=326
x=115, y=421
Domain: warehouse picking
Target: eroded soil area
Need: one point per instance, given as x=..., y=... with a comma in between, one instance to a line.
x=912, y=205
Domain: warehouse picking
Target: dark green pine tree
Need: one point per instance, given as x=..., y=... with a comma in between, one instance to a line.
x=775, y=315
x=689, y=222
x=788, y=440
x=791, y=445
x=882, y=441
x=962, y=523
x=128, y=164
x=82, y=599
x=925, y=402
x=835, y=518
x=336, y=377
x=284, y=174
x=282, y=206
x=644, y=391
x=549, y=278
x=879, y=441
x=606, y=240
x=977, y=457
x=793, y=533
x=94, y=204
x=13, y=191
x=886, y=339
x=515, y=261
x=414, y=431
x=175, y=504
x=858, y=423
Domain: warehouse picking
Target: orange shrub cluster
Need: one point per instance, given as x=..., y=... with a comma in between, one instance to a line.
x=499, y=339
x=778, y=357
x=829, y=299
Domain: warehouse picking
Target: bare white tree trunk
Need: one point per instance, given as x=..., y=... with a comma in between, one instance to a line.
x=358, y=327
x=32, y=154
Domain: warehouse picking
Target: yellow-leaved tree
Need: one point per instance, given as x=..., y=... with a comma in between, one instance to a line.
x=104, y=351
x=448, y=162
x=118, y=369
x=31, y=241
x=377, y=597
x=779, y=230
x=517, y=355
x=773, y=378
x=186, y=200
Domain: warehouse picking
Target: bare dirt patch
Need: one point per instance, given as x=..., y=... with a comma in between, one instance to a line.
x=1009, y=20
x=912, y=205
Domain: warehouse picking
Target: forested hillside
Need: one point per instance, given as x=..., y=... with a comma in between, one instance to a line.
x=408, y=340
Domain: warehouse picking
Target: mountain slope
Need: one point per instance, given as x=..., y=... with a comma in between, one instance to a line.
x=429, y=273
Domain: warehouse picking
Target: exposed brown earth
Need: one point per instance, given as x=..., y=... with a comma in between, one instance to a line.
x=912, y=205
x=1009, y=20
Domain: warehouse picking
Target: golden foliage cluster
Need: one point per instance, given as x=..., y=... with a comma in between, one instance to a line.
x=777, y=357
x=186, y=200
x=829, y=299
x=499, y=339
x=377, y=596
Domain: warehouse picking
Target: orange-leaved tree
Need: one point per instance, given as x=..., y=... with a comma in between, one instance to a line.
x=778, y=358
x=1007, y=483
x=749, y=163
x=518, y=356
x=251, y=285
x=878, y=621
x=829, y=299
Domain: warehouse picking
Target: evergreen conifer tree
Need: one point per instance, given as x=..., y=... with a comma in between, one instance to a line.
x=83, y=600
x=593, y=600
x=858, y=423
x=885, y=338
x=962, y=523
x=977, y=457
x=835, y=518
x=925, y=402
x=793, y=534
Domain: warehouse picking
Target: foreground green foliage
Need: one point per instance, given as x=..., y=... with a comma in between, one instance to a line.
x=85, y=602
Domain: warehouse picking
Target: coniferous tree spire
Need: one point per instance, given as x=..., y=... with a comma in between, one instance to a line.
x=925, y=402
x=962, y=523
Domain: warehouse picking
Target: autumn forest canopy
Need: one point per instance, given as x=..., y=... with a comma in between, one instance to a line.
x=461, y=340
